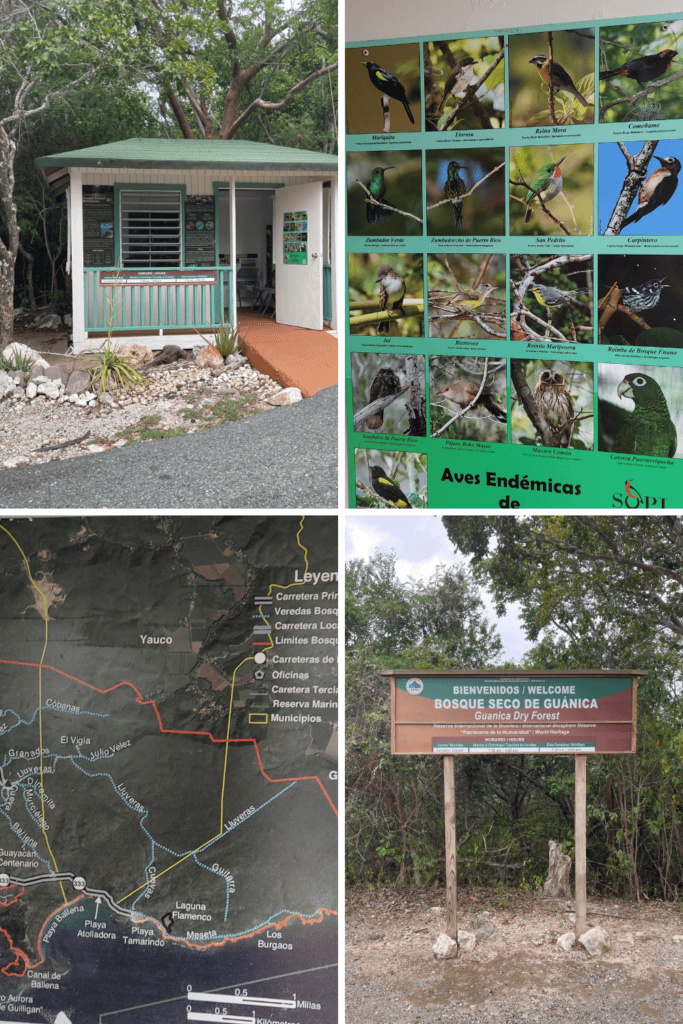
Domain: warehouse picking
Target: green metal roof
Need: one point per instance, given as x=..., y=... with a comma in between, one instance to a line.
x=193, y=154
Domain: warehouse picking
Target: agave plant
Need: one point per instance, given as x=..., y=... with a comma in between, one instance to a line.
x=226, y=339
x=108, y=362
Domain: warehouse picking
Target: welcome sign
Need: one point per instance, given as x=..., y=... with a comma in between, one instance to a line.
x=513, y=713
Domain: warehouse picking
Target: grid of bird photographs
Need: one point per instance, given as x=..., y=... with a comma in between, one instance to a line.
x=515, y=262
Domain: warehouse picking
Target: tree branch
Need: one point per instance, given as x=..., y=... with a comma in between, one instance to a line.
x=471, y=91
x=377, y=406
x=635, y=176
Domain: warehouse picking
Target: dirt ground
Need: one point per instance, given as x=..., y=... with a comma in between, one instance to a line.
x=516, y=972
x=52, y=342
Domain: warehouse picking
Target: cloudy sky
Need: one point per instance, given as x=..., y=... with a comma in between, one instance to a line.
x=421, y=544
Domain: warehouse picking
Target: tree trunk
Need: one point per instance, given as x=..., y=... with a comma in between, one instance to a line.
x=8, y=253
x=29, y=276
x=557, y=882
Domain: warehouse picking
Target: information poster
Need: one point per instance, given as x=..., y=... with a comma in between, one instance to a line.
x=200, y=231
x=514, y=327
x=98, y=226
x=295, y=237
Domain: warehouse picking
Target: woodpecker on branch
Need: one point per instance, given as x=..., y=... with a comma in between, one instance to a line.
x=658, y=189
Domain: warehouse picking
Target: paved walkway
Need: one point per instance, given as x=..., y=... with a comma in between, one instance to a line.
x=280, y=459
x=291, y=355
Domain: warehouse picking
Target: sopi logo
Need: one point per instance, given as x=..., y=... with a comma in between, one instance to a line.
x=414, y=686
x=632, y=498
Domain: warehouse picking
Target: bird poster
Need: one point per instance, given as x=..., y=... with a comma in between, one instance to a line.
x=514, y=318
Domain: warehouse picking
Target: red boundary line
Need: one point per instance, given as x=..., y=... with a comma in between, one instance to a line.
x=21, y=956
x=179, y=732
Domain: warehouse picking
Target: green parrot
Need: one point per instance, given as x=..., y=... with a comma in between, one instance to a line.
x=649, y=429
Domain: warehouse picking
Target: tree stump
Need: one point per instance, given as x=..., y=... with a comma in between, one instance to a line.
x=557, y=882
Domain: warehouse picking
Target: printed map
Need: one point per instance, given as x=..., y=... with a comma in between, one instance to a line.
x=168, y=766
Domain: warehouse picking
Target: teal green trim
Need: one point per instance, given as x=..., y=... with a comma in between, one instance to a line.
x=217, y=186
x=153, y=306
x=129, y=186
x=474, y=688
x=194, y=154
x=327, y=292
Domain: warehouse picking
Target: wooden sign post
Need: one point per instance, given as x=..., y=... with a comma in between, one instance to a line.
x=451, y=855
x=454, y=712
x=580, y=844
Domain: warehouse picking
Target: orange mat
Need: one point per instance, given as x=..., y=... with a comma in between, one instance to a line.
x=295, y=357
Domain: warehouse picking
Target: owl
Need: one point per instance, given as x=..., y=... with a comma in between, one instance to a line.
x=554, y=401
x=386, y=382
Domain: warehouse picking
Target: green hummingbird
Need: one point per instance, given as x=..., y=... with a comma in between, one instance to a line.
x=454, y=188
x=548, y=182
x=377, y=187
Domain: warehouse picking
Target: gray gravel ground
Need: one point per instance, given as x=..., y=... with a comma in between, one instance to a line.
x=284, y=458
x=517, y=974
x=661, y=1002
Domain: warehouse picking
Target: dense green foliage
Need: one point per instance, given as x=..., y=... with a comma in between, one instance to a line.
x=622, y=43
x=592, y=593
x=90, y=73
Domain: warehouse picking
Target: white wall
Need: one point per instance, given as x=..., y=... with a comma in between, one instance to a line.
x=366, y=20
x=253, y=214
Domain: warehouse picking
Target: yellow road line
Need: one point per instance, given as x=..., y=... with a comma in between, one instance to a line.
x=169, y=868
x=270, y=638
x=40, y=696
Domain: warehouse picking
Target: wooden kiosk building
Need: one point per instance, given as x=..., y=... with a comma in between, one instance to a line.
x=171, y=236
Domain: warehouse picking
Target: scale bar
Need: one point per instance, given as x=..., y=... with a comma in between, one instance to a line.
x=283, y=1004
x=223, y=1018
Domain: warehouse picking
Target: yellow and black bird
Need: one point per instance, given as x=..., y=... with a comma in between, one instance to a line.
x=388, y=84
x=385, y=382
x=562, y=80
x=387, y=489
x=459, y=78
x=553, y=298
x=658, y=189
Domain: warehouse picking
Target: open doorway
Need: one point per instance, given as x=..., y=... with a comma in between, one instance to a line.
x=253, y=263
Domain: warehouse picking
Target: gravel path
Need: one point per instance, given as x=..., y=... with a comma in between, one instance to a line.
x=27, y=425
x=516, y=975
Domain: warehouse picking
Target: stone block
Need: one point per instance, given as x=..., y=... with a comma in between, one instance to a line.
x=445, y=948
x=595, y=941
x=288, y=396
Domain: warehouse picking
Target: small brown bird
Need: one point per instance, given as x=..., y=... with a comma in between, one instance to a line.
x=562, y=80
x=386, y=382
x=554, y=401
x=460, y=393
x=392, y=289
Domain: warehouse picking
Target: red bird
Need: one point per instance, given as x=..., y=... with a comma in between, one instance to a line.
x=643, y=69
x=658, y=189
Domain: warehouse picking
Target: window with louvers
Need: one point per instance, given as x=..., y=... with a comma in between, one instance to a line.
x=151, y=229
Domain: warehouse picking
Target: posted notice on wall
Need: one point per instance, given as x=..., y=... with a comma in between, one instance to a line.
x=514, y=239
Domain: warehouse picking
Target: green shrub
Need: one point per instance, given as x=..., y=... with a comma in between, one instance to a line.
x=17, y=361
x=108, y=363
x=226, y=340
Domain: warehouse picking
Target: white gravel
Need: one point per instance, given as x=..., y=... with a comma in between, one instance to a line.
x=27, y=425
